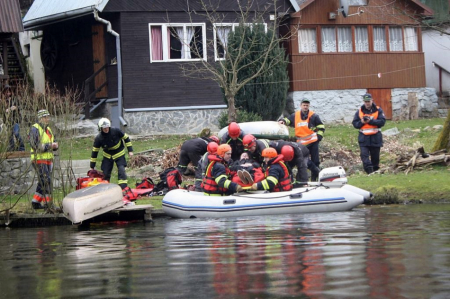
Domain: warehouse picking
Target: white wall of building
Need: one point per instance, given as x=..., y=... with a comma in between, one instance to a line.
x=436, y=48
x=31, y=45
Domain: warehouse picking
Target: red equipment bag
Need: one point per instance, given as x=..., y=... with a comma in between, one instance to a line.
x=146, y=183
x=169, y=179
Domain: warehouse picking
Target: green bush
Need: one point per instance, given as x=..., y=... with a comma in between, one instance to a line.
x=241, y=117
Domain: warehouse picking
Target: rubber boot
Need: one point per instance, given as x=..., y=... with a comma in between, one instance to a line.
x=36, y=205
x=368, y=169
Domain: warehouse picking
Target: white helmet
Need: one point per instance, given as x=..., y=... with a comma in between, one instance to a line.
x=104, y=123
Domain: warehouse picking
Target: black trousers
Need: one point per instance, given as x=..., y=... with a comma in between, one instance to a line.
x=370, y=156
x=314, y=152
x=187, y=157
x=121, y=162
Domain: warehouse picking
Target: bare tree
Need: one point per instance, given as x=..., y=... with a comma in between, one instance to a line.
x=226, y=71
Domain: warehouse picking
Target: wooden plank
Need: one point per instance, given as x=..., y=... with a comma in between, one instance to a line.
x=98, y=55
x=382, y=98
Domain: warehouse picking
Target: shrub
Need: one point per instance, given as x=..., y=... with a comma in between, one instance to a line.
x=242, y=116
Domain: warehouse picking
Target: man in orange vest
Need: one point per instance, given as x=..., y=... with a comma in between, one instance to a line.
x=369, y=119
x=309, y=130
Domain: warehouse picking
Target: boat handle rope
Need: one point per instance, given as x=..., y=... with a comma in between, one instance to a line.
x=292, y=195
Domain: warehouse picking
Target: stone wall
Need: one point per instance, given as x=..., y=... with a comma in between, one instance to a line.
x=339, y=106
x=172, y=122
x=16, y=175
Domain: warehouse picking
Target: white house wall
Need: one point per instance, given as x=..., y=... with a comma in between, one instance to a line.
x=34, y=63
x=436, y=48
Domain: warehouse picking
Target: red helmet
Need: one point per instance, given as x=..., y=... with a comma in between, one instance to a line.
x=212, y=147
x=288, y=152
x=234, y=130
x=249, y=141
x=222, y=149
x=269, y=152
x=215, y=139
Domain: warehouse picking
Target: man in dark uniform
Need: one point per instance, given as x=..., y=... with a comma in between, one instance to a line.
x=369, y=119
x=113, y=142
x=192, y=150
x=309, y=130
x=255, y=147
x=233, y=137
x=11, y=119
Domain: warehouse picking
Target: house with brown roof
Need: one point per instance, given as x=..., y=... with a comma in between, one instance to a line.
x=374, y=46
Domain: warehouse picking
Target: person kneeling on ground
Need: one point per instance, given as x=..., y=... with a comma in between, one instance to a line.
x=276, y=173
x=191, y=152
x=217, y=177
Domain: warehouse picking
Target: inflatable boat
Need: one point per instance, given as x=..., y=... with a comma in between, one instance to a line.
x=89, y=202
x=322, y=197
x=330, y=194
x=262, y=129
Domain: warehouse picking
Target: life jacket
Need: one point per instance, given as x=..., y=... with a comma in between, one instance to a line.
x=44, y=137
x=209, y=184
x=284, y=183
x=302, y=131
x=368, y=129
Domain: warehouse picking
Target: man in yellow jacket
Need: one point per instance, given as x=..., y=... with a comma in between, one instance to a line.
x=43, y=144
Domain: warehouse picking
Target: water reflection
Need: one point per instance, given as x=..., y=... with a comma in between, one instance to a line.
x=393, y=252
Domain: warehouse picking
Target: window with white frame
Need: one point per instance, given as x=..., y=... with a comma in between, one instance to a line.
x=177, y=42
x=379, y=39
x=411, y=39
x=395, y=39
x=336, y=39
x=307, y=40
x=221, y=31
x=361, y=39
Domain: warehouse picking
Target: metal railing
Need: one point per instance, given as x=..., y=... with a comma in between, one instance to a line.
x=89, y=96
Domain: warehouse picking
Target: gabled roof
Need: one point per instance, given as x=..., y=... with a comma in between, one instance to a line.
x=46, y=11
x=10, y=17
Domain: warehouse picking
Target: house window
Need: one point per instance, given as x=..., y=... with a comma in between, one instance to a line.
x=328, y=40
x=177, y=42
x=345, y=39
x=221, y=31
x=307, y=40
x=379, y=39
x=357, y=2
x=361, y=39
x=340, y=40
x=411, y=40
x=395, y=39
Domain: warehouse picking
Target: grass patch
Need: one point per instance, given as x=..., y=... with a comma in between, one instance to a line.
x=428, y=186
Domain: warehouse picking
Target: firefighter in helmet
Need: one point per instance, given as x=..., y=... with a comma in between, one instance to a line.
x=276, y=173
x=113, y=142
x=233, y=137
x=217, y=176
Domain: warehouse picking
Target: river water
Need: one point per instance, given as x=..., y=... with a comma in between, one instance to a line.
x=370, y=252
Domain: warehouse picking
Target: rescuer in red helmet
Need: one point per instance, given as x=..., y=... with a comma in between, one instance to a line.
x=255, y=147
x=217, y=176
x=277, y=177
x=202, y=164
x=233, y=137
x=295, y=155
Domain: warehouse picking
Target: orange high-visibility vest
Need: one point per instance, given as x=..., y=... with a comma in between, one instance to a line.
x=367, y=129
x=303, y=133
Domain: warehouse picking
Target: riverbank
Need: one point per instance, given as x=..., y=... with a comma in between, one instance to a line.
x=339, y=147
